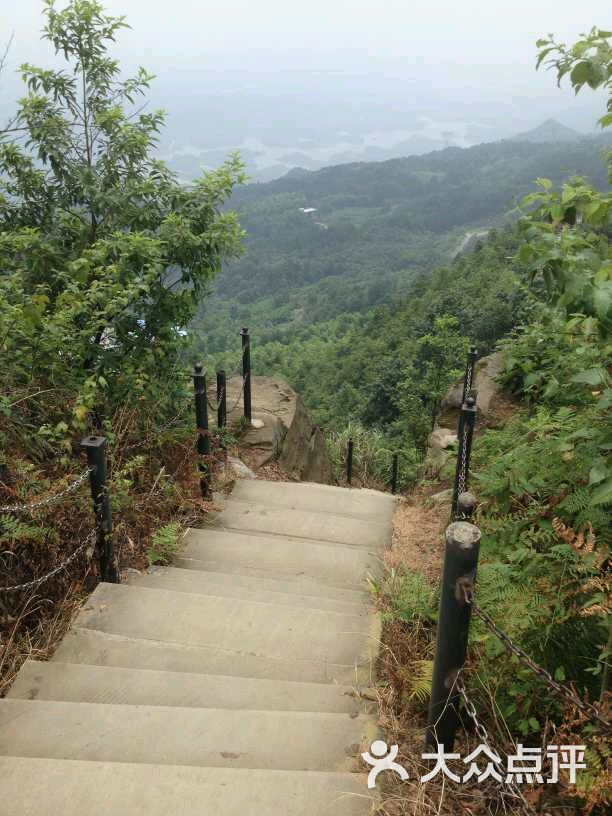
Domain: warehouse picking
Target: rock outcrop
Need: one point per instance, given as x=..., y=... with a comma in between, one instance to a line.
x=441, y=447
x=281, y=430
x=443, y=439
x=488, y=370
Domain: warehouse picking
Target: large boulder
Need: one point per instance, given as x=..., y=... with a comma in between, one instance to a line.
x=441, y=448
x=281, y=430
x=488, y=370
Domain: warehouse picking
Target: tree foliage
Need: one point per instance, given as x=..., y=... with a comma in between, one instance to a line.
x=104, y=256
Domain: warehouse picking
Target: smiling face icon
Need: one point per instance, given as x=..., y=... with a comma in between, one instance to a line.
x=380, y=761
x=379, y=748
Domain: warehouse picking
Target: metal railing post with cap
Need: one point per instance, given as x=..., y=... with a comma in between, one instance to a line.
x=458, y=576
x=469, y=378
x=95, y=447
x=246, y=373
x=465, y=434
x=203, y=442
x=221, y=399
x=394, y=473
x=349, y=462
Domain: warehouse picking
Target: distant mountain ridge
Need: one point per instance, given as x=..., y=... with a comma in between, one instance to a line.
x=346, y=238
x=550, y=131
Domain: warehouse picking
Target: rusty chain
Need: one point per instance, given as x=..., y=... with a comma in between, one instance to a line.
x=483, y=736
x=525, y=660
x=55, y=497
x=38, y=581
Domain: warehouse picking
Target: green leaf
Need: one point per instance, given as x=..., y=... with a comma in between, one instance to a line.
x=603, y=494
x=598, y=473
x=592, y=376
x=605, y=400
x=602, y=299
x=581, y=73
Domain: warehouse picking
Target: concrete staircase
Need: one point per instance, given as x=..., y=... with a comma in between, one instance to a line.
x=226, y=685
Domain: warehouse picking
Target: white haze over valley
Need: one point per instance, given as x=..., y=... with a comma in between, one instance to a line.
x=311, y=84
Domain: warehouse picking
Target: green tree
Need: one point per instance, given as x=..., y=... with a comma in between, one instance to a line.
x=567, y=245
x=104, y=255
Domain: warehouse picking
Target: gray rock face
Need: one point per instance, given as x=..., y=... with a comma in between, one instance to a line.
x=281, y=429
x=241, y=470
x=304, y=453
x=440, y=450
x=443, y=497
x=442, y=439
x=488, y=370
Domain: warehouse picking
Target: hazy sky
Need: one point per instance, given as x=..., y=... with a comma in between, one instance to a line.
x=485, y=41
x=303, y=61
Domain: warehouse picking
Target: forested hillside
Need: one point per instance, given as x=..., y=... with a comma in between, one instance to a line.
x=355, y=289
x=376, y=366
x=375, y=227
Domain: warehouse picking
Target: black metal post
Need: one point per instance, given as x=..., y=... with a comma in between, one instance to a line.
x=246, y=373
x=95, y=447
x=221, y=399
x=349, y=462
x=458, y=576
x=203, y=443
x=394, y=472
x=469, y=379
x=465, y=434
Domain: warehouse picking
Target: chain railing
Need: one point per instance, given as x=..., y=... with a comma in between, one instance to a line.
x=514, y=791
x=30, y=507
x=95, y=447
x=175, y=420
x=465, y=434
x=513, y=648
x=218, y=403
x=36, y=582
x=457, y=603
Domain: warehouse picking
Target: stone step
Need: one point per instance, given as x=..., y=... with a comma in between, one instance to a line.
x=265, y=629
x=67, y=682
x=304, y=524
x=50, y=787
x=207, y=737
x=94, y=648
x=284, y=586
x=249, y=589
x=280, y=557
x=371, y=505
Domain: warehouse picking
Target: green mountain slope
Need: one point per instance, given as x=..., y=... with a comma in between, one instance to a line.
x=550, y=131
x=345, y=239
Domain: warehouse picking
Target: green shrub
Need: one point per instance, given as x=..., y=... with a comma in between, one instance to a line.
x=372, y=456
x=412, y=598
x=164, y=544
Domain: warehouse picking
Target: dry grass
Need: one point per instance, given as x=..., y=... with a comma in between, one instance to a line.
x=40, y=641
x=418, y=536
